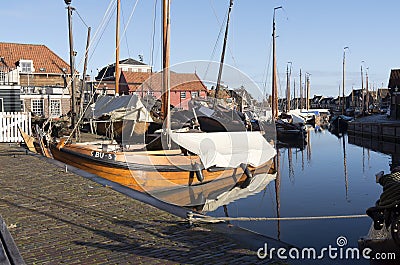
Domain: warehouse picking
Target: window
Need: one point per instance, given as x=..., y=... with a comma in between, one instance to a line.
x=183, y=94
x=37, y=106
x=26, y=66
x=22, y=105
x=195, y=94
x=2, y=77
x=55, y=108
x=1, y=105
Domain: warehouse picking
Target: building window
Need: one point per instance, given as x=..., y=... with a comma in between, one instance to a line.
x=22, y=105
x=37, y=106
x=1, y=105
x=26, y=66
x=195, y=94
x=55, y=108
x=183, y=94
x=2, y=77
x=151, y=93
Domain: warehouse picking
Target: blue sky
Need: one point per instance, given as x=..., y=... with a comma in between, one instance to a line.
x=311, y=35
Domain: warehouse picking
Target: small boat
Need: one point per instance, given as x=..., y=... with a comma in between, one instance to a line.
x=289, y=131
x=202, y=158
x=339, y=123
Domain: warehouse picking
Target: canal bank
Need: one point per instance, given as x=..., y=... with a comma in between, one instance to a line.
x=378, y=127
x=57, y=217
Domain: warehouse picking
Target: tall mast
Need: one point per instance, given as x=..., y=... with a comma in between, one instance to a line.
x=352, y=97
x=288, y=72
x=308, y=91
x=166, y=71
x=343, y=79
x=366, y=91
x=294, y=94
x=301, y=93
x=362, y=90
x=117, y=72
x=83, y=87
x=274, y=71
x=71, y=62
x=221, y=63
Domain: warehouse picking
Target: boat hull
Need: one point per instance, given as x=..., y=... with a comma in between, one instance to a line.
x=151, y=172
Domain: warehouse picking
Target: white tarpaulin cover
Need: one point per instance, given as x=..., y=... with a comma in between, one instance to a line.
x=227, y=149
x=127, y=107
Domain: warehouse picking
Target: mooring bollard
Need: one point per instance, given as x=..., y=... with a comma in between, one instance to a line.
x=66, y=169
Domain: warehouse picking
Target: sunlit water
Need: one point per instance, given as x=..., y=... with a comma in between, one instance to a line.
x=328, y=177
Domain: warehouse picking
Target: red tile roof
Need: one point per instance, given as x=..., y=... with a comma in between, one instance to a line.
x=179, y=82
x=41, y=56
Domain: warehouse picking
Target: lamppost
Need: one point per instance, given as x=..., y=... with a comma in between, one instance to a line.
x=71, y=62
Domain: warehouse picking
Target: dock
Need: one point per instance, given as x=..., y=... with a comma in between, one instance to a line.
x=378, y=127
x=56, y=216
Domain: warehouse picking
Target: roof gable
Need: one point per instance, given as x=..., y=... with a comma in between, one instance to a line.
x=394, y=80
x=44, y=60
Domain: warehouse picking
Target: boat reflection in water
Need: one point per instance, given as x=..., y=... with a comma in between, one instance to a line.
x=212, y=195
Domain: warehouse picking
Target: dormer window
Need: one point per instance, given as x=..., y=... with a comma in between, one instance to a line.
x=26, y=66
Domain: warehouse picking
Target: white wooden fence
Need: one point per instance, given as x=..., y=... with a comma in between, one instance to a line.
x=9, y=123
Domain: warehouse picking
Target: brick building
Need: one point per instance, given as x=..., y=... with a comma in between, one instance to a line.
x=137, y=77
x=33, y=79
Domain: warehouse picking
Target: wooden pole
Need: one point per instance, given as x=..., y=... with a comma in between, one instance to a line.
x=117, y=71
x=166, y=71
x=366, y=92
x=83, y=88
x=301, y=93
x=274, y=71
x=343, y=79
x=287, y=89
x=72, y=67
x=221, y=63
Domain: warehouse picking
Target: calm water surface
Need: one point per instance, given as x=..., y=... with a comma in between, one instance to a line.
x=328, y=177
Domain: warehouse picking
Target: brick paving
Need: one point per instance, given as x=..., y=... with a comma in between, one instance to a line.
x=57, y=217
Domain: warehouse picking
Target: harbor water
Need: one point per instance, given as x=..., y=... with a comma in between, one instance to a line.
x=327, y=177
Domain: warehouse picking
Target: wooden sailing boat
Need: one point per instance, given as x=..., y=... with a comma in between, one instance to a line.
x=339, y=123
x=284, y=129
x=189, y=159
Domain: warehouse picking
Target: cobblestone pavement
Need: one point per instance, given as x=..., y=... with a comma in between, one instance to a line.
x=57, y=217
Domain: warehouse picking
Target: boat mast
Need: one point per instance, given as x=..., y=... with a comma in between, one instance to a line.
x=221, y=63
x=294, y=94
x=166, y=71
x=301, y=93
x=117, y=71
x=366, y=91
x=288, y=73
x=274, y=71
x=308, y=91
x=343, y=79
x=71, y=62
x=83, y=87
x=362, y=90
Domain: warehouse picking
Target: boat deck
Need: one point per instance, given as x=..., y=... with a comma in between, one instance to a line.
x=58, y=217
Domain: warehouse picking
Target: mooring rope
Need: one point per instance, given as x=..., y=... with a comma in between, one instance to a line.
x=191, y=217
